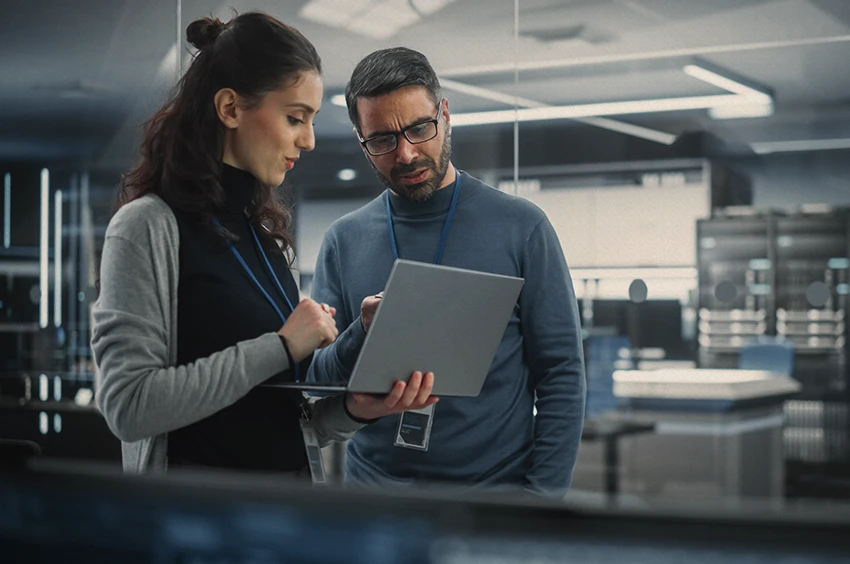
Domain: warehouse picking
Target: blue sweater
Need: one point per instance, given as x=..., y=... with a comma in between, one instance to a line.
x=493, y=439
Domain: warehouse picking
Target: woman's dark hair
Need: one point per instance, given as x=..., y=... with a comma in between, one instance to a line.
x=183, y=143
x=388, y=70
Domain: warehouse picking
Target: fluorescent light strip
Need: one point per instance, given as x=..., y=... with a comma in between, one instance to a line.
x=741, y=95
x=489, y=94
x=646, y=56
x=711, y=77
x=43, y=249
x=630, y=129
x=747, y=110
x=57, y=259
x=594, y=110
x=801, y=145
x=7, y=210
x=612, y=125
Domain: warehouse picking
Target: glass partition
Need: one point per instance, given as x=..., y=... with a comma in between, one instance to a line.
x=691, y=158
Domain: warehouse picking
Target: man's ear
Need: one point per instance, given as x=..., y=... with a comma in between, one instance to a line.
x=227, y=107
x=359, y=137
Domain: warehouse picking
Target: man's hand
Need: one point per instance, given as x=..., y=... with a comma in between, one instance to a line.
x=367, y=310
x=416, y=394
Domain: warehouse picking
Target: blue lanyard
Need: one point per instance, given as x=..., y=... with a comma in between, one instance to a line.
x=256, y=282
x=438, y=258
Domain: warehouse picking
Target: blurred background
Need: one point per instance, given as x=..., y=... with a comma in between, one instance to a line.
x=692, y=156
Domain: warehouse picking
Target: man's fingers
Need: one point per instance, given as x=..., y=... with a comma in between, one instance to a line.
x=395, y=395
x=425, y=388
x=413, y=385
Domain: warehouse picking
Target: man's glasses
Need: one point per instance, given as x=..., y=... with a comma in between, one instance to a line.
x=415, y=134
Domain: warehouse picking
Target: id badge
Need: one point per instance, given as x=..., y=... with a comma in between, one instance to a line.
x=414, y=428
x=314, y=453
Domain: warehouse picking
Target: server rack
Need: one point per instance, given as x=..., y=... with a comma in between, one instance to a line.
x=773, y=261
x=734, y=275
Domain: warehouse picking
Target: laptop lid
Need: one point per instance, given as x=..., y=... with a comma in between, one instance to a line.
x=438, y=319
x=432, y=318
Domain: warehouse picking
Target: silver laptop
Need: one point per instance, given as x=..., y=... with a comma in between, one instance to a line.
x=432, y=318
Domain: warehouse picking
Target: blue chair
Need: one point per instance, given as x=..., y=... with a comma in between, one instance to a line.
x=602, y=358
x=768, y=353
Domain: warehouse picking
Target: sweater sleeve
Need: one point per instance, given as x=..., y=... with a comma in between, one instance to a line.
x=336, y=362
x=140, y=393
x=332, y=421
x=553, y=347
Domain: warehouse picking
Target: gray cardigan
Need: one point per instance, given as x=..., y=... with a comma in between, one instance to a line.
x=142, y=393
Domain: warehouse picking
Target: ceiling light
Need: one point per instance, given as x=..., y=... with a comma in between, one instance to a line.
x=604, y=123
x=746, y=110
x=630, y=129
x=377, y=19
x=383, y=19
x=428, y=7
x=347, y=174
x=767, y=147
x=593, y=110
x=743, y=97
x=727, y=83
x=338, y=100
x=335, y=13
x=703, y=50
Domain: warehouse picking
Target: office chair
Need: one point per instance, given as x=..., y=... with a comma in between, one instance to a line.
x=775, y=354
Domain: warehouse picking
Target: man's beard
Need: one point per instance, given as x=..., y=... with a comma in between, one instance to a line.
x=422, y=191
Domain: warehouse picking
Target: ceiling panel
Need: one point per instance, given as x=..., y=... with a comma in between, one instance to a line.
x=676, y=10
x=84, y=75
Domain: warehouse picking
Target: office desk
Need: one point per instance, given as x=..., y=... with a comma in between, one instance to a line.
x=609, y=429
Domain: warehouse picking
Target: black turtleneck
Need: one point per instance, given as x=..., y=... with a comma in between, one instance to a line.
x=218, y=306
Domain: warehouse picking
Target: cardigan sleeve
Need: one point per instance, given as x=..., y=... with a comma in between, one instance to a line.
x=141, y=394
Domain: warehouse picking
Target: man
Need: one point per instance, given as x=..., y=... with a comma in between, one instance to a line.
x=403, y=124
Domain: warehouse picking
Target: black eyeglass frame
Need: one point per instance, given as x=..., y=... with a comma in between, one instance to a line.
x=395, y=134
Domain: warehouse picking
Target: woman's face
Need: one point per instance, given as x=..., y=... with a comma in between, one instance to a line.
x=267, y=138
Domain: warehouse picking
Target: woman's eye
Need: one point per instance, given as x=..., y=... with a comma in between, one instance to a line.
x=294, y=120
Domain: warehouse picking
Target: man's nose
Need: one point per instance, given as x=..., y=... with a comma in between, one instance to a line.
x=406, y=151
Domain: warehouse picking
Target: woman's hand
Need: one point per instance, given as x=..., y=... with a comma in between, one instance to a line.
x=368, y=307
x=311, y=326
x=415, y=394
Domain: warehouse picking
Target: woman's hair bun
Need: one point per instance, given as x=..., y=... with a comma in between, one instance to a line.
x=203, y=32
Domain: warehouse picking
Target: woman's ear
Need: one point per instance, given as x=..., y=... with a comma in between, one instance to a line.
x=227, y=107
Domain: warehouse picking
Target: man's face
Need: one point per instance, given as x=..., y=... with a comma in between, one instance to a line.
x=414, y=171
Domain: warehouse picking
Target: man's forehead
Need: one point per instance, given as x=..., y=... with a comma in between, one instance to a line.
x=395, y=109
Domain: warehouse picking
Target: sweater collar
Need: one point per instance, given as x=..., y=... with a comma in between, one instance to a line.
x=239, y=189
x=437, y=204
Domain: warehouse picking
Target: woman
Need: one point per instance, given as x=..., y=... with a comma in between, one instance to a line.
x=196, y=303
